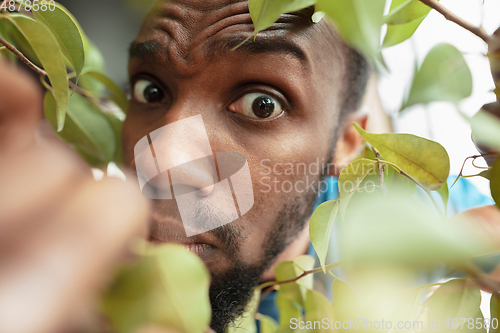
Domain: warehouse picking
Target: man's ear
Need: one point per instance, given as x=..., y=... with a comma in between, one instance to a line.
x=349, y=143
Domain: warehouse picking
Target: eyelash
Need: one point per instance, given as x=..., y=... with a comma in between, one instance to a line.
x=253, y=88
x=246, y=89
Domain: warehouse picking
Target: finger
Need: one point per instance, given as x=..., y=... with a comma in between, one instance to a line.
x=20, y=108
x=35, y=183
x=69, y=261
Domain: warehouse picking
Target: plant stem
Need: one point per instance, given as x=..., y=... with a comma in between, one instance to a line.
x=21, y=56
x=484, y=279
x=40, y=71
x=313, y=271
x=381, y=168
x=478, y=31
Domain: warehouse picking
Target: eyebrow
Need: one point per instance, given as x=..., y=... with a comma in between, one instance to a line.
x=150, y=49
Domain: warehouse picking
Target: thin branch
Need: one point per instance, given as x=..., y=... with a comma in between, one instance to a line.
x=43, y=73
x=381, y=167
x=416, y=182
x=483, y=278
x=478, y=31
x=305, y=273
x=21, y=56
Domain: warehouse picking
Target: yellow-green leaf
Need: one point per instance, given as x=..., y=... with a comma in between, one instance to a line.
x=494, y=314
x=358, y=22
x=495, y=182
x=399, y=33
x=285, y=271
x=265, y=13
x=459, y=298
x=50, y=54
x=320, y=228
x=424, y=160
x=393, y=230
x=444, y=193
x=117, y=94
x=345, y=303
x=317, y=308
x=443, y=76
x=350, y=178
x=65, y=29
x=167, y=287
x=405, y=11
x=486, y=129
x=87, y=129
x=266, y=323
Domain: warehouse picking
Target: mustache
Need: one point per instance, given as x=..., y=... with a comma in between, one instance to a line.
x=228, y=236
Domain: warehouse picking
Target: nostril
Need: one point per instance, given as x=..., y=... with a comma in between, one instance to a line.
x=205, y=192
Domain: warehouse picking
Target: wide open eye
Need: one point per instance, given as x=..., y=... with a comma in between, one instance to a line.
x=148, y=92
x=257, y=105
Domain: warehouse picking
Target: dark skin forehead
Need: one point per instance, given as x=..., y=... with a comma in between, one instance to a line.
x=189, y=33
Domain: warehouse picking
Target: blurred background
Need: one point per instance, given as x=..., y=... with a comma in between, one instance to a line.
x=113, y=24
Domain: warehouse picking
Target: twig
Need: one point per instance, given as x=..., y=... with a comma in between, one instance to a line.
x=381, y=167
x=42, y=72
x=478, y=31
x=416, y=182
x=305, y=273
x=484, y=279
x=21, y=56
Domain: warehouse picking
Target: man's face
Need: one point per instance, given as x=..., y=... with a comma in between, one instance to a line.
x=275, y=100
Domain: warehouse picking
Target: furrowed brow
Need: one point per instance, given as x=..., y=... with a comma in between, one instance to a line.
x=144, y=50
x=259, y=46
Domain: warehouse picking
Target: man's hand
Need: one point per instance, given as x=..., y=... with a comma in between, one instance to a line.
x=60, y=231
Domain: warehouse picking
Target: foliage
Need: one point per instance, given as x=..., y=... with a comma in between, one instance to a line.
x=148, y=293
x=387, y=242
x=87, y=118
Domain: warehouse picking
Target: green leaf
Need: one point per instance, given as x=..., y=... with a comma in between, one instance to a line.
x=358, y=22
x=409, y=234
x=458, y=298
x=317, y=308
x=117, y=94
x=495, y=181
x=345, y=302
x=168, y=287
x=49, y=52
x=407, y=306
x=350, y=179
x=443, y=76
x=267, y=324
x=424, y=160
x=4, y=33
x=116, y=122
x=320, y=228
x=65, y=29
x=265, y=13
x=87, y=129
x=285, y=271
x=399, y=184
x=399, y=33
x=494, y=313
x=406, y=11
x=486, y=129
x=445, y=195
x=486, y=174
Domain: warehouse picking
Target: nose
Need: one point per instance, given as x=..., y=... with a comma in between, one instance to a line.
x=177, y=155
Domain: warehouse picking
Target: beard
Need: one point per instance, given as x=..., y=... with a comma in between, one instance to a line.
x=231, y=292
